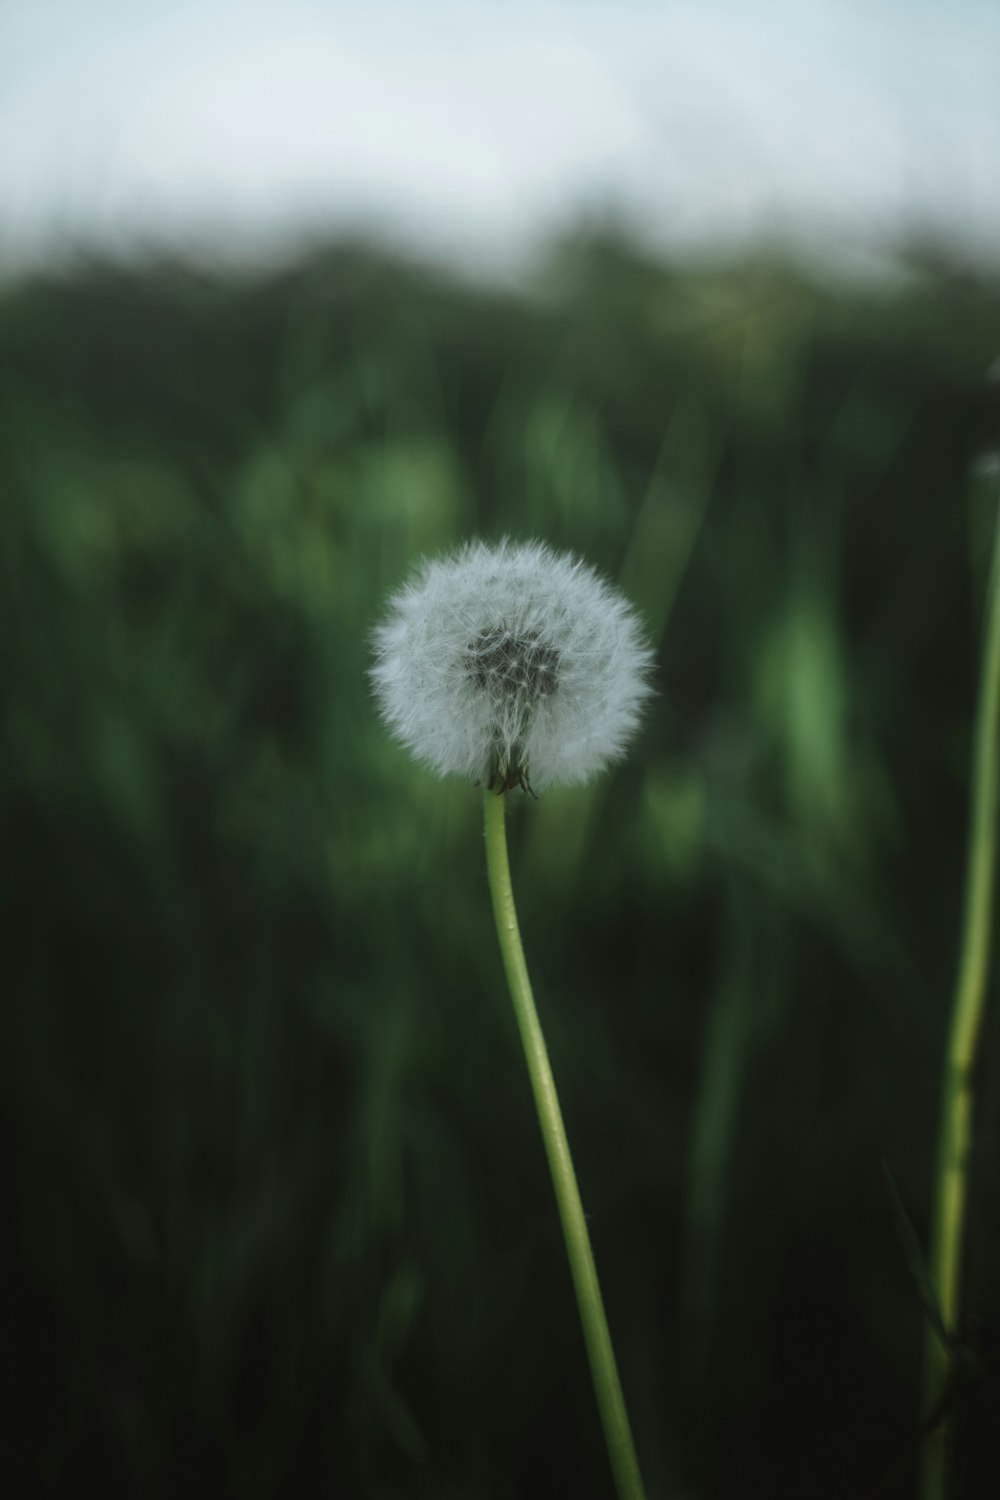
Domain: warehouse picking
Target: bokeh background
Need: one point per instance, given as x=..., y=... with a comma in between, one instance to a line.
x=275, y=1215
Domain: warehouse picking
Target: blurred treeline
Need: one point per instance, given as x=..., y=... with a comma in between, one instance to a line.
x=276, y=1216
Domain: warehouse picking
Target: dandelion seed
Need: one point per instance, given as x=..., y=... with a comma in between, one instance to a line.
x=508, y=662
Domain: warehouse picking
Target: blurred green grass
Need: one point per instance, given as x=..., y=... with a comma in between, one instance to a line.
x=276, y=1214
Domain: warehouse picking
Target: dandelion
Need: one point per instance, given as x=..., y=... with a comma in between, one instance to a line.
x=509, y=663
x=516, y=666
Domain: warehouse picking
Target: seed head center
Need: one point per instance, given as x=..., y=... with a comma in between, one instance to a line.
x=515, y=662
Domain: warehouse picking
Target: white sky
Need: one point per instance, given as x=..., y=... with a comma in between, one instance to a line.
x=474, y=129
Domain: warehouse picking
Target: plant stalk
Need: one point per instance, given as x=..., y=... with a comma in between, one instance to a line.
x=604, y=1371
x=958, y=1090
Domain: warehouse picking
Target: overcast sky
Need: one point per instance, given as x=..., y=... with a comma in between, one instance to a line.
x=476, y=129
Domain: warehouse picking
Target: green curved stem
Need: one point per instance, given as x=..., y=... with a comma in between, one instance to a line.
x=607, y=1386
x=958, y=1092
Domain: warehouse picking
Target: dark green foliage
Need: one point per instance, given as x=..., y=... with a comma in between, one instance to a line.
x=277, y=1217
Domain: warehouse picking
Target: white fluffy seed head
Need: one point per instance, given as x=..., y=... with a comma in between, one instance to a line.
x=509, y=663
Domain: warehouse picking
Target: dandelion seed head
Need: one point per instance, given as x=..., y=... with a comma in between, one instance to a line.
x=511, y=661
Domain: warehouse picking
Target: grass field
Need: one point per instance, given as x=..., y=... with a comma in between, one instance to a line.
x=276, y=1216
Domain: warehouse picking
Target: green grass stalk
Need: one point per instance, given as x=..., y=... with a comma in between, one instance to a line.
x=958, y=1091
x=604, y=1370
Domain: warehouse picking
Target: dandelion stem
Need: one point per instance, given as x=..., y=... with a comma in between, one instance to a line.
x=958, y=1092
x=604, y=1371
